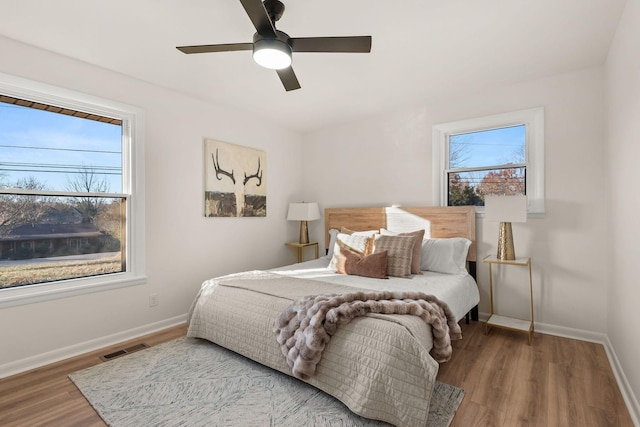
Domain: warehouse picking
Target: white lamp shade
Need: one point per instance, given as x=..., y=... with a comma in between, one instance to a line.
x=303, y=212
x=505, y=208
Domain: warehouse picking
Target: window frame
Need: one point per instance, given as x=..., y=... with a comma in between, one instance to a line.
x=132, y=186
x=533, y=119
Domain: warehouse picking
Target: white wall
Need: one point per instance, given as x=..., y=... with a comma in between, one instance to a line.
x=183, y=248
x=386, y=160
x=623, y=152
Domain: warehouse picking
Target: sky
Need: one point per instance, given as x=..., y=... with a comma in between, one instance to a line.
x=490, y=147
x=54, y=148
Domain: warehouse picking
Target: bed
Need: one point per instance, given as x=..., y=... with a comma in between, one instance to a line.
x=379, y=365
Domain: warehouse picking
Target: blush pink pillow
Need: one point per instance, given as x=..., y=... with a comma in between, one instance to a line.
x=373, y=265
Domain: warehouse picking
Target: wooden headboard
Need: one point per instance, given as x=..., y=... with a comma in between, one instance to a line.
x=438, y=221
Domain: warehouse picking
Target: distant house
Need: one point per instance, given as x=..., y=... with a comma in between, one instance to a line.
x=43, y=240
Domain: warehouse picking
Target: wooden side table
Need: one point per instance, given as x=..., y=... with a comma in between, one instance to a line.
x=301, y=246
x=505, y=322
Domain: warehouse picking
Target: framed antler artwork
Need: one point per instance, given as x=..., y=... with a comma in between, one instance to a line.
x=235, y=180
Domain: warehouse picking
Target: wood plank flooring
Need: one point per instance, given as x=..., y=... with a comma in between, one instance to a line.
x=555, y=382
x=47, y=397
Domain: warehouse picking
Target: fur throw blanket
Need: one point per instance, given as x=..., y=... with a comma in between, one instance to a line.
x=304, y=329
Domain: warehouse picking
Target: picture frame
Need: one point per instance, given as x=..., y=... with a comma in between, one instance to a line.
x=235, y=180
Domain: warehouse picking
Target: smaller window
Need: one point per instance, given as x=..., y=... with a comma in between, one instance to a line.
x=486, y=162
x=501, y=154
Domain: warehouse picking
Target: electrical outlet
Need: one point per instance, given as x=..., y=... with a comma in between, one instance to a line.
x=153, y=300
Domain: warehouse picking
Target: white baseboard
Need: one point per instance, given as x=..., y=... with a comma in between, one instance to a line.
x=625, y=388
x=628, y=395
x=39, y=360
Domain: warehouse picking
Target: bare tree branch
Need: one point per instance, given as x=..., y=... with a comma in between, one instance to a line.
x=87, y=181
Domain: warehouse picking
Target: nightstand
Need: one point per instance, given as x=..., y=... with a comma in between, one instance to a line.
x=505, y=322
x=301, y=246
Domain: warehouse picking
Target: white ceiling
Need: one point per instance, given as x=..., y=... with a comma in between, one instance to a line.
x=422, y=50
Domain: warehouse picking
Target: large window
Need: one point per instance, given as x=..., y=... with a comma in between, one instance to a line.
x=495, y=155
x=71, y=198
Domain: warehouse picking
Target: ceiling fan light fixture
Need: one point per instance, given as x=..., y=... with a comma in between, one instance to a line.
x=273, y=48
x=272, y=53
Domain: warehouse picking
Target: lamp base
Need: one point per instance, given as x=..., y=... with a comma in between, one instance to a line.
x=505, y=243
x=304, y=232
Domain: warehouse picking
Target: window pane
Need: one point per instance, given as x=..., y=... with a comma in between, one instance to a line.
x=58, y=152
x=487, y=148
x=45, y=239
x=469, y=188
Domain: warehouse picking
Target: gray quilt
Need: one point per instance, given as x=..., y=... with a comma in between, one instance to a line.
x=378, y=365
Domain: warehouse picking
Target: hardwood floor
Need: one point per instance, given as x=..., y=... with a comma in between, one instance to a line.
x=47, y=397
x=555, y=382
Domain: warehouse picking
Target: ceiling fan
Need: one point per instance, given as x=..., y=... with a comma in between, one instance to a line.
x=273, y=48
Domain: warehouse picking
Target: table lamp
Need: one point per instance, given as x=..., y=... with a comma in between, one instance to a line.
x=303, y=212
x=506, y=209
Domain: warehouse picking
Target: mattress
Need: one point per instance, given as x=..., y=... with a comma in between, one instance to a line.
x=378, y=365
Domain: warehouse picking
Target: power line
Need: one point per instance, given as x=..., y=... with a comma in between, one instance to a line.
x=59, y=166
x=58, y=171
x=487, y=144
x=60, y=149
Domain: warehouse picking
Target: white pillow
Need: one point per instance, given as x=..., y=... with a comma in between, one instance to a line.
x=356, y=242
x=332, y=241
x=445, y=255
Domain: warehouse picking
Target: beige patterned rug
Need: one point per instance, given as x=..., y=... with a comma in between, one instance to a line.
x=190, y=382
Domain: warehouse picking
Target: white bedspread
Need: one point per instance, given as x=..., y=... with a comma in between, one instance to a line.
x=378, y=365
x=459, y=291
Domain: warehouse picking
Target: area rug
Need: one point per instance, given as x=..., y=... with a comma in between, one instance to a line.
x=190, y=382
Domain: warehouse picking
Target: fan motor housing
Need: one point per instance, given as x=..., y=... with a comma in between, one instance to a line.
x=274, y=8
x=280, y=35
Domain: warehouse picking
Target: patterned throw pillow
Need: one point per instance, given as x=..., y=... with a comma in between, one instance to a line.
x=416, y=257
x=399, y=253
x=355, y=242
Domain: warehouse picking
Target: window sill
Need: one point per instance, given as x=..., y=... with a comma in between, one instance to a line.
x=12, y=297
x=530, y=215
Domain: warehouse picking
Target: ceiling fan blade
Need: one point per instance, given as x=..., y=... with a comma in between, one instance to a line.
x=288, y=79
x=259, y=17
x=206, y=48
x=354, y=44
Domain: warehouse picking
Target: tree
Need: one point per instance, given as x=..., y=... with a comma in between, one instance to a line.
x=87, y=181
x=110, y=219
x=458, y=154
x=461, y=193
x=508, y=182
x=104, y=212
x=20, y=209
